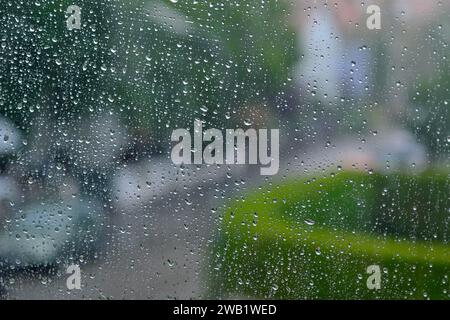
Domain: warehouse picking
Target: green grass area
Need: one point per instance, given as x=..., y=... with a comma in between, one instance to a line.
x=315, y=238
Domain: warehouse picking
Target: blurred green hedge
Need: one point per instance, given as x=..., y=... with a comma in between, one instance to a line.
x=315, y=238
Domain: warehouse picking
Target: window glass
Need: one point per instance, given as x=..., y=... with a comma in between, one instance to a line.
x=183, y=149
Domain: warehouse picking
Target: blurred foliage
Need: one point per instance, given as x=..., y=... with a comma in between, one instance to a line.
x=48, y=71
x=158, y=65
x=206, y=60
x=430, y=117
x=314, y=238
x=428, y=114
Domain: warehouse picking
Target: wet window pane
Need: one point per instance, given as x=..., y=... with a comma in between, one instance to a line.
x=167, y=149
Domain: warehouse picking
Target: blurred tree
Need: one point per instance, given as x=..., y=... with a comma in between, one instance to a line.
x=429, y=118
x=187, y=60
x=47, y=69
x=160, y=64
